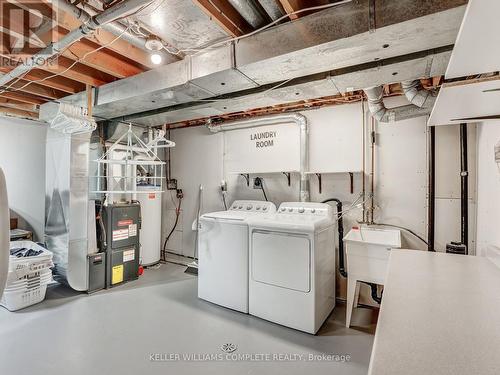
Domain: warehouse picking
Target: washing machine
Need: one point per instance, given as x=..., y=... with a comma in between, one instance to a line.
x=292, y=265
x=223, y=253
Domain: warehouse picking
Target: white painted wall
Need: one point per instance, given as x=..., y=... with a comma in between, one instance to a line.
x=401, y=155
x=448, y=185
x=196, y=159
x=22, y=157
x=488, y=185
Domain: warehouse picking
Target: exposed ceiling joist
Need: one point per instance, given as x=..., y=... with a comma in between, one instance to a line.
x=79, y=72
x=11, y=103
x=106, y=61
x=103, y=37
x=17, y=112
x=291, y=6
x=226, y=16
x=282, y=53
x=22, y=97
x=42, y=7
x=37, y=89
x=58, y=83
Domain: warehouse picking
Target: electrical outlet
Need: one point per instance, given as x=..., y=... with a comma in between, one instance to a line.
x=179, y=194
x=257, y=183
x=172, y=184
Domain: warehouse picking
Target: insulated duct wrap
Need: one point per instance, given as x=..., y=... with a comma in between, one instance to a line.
x=421, y=103
x=416, y=95
x=66, y=205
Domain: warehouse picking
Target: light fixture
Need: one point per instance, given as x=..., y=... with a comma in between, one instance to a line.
x=156, y=58
x=154, y=44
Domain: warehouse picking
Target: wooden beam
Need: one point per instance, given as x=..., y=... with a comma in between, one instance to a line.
x=103, y=60
x=224, y=14
x=39, y=6
x=291, y=6
x=79, y=72
x=23, y=97
x=36, y=89
x=103, y=37
x=58, y=83
x=10, y=103
x=18, y=112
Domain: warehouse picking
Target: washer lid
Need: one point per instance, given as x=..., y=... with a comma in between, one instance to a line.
x=228, y=215
x=241, y=210
x=292, y=222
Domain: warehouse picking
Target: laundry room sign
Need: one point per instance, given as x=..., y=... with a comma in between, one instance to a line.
x=263, y=149
x=264, y=139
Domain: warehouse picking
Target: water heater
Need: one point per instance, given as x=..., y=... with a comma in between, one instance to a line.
x=151, y=224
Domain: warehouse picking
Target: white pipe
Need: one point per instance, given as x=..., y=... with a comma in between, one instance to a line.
x=120, y=10
x=4, y=232
x=297, y=119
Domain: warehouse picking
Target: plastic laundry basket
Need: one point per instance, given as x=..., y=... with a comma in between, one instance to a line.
x=20, y=267
x=27, y=278
x=26, y=292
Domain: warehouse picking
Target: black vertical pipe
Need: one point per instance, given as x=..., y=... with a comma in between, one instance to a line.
x=340, y=224
x=431, y=196
x=464, y=175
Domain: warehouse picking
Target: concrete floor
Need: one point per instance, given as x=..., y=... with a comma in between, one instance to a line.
x=118, y=331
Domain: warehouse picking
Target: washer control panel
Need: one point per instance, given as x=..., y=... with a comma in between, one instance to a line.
x=253, y=206
x=305, y=208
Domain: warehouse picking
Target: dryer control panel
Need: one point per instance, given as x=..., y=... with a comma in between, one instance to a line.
x=306, y=208
x=253, y=206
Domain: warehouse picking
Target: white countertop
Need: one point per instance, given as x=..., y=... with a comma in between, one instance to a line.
x=440, y=315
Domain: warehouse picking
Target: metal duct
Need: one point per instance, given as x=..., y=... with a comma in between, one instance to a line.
x=381, y=113
x=375, y=96
x=250, y=11
x=339, y=35
x=273, y=8
x=89, y=26
x=312, y=87
x=66, y=205
x=297, y=119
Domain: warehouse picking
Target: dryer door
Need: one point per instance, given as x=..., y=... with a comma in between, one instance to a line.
x=281, y=259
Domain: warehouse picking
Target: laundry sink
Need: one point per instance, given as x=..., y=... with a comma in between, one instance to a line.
x=367, y=254
x=367, y=251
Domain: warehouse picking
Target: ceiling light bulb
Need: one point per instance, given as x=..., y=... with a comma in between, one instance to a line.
x=156, y=58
